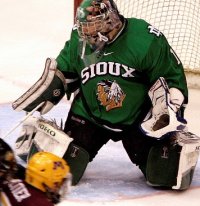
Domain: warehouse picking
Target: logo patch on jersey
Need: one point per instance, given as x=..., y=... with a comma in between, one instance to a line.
x=106, y=54
x=110, y=94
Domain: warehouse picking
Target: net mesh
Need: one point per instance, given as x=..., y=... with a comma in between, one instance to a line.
x=177, y=19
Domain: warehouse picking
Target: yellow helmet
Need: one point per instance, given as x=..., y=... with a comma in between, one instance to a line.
x=48, y=173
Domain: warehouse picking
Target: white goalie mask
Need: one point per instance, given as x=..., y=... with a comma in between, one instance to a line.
x=98, y=21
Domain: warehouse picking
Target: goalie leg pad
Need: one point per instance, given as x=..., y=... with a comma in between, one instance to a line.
x=50, y=88
x=162, y=165
x=39, y=134
x=172, y=163
x=77, y=158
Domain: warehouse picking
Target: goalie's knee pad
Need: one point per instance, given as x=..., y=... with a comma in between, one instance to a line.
x=172, y=163
x=77, y=158
x=39, y=134
x=50, y=88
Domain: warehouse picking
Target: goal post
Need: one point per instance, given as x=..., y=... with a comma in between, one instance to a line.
x=178, y=21
x=76, y=4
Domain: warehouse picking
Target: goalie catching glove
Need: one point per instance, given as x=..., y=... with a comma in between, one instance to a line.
x=163, y=117
x=50, y=89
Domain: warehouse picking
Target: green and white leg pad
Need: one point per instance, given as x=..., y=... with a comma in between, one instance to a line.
x=172, y=163
x=39, y=134
x=42, y=135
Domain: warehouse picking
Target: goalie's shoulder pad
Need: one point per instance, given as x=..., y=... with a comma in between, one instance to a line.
x=50, y=88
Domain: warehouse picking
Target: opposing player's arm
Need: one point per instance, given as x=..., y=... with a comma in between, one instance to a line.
x=172, y=163
x=50, y=89
x=8, y=163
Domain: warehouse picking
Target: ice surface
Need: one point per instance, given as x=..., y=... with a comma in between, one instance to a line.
x=111, y=177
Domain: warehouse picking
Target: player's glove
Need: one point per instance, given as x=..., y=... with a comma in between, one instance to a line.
x=50, y=89
x=163, y=117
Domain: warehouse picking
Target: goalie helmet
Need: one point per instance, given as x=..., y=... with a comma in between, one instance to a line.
x=50, y=174
x=8, y=165
x=98, y=21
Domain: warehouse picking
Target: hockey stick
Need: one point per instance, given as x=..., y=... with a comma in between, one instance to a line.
x=26, y=117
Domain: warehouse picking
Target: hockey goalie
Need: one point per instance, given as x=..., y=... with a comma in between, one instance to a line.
x=174, y=153
x=129, y=86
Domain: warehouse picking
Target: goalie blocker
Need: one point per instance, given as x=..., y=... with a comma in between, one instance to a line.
x=39, y=134
x=50, y=89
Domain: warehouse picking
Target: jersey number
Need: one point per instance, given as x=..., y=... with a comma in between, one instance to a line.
x=155, y=31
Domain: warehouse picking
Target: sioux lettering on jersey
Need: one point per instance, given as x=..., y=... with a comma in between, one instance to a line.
x=103, y=68
x=18, y=190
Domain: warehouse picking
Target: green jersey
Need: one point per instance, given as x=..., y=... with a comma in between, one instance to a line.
x=115, y=82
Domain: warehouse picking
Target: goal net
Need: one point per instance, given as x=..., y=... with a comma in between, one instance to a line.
x=178, y=20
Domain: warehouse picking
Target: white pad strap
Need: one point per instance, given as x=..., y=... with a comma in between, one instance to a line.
x=162, y=118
